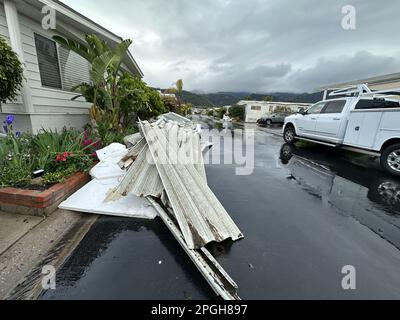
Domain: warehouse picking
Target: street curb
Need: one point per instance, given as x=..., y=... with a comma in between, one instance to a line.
x=76, y=233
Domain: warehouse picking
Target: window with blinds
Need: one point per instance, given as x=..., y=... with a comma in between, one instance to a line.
x=74, y=69
x=59, y=67
x=48, y=62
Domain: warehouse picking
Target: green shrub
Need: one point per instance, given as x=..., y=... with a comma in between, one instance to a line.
x=220, y=113
x=11, y=73
x=57, y=177
x=237, y=112
x=14, y=176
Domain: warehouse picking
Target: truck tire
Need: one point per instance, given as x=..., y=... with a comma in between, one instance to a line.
x=390, y=159
x=289, y=135
x=269, y=122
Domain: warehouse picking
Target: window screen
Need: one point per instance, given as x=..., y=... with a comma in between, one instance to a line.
x=376, y=104
x=74, y=69
x=335, y=106
x=48, y=62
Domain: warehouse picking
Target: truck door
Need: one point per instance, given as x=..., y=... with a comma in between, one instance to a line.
x=307, y=121
x=330, y=120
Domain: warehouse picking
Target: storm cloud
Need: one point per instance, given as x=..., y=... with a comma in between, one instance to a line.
x=253, y=45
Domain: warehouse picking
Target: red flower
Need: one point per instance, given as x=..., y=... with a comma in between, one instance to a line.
x=87, y=142
x=63, y=157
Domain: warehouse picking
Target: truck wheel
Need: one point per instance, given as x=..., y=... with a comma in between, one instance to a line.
x=390, y=159
x=289, y=135
x=269, y=122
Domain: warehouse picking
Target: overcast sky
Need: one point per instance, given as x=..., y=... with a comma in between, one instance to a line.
x=253, y=45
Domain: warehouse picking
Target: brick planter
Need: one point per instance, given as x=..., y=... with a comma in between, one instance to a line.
x=40, y=203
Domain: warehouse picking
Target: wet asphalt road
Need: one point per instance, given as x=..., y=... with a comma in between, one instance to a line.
x=306, y=212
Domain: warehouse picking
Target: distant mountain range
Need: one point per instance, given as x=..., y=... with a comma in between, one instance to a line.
x=229, y=98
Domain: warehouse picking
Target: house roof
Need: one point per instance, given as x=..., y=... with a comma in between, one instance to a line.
x=386, y=81
x=77, y=20
x=242, y=102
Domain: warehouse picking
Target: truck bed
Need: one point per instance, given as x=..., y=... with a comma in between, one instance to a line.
x=369, y=129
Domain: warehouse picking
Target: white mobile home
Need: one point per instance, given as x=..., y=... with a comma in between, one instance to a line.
x=50, y=70
x=256, y=109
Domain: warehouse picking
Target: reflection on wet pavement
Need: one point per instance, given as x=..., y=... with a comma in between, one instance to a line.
x=368, y=195
x=129, y=259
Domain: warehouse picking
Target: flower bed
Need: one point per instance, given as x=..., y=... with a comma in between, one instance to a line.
x=38, y=171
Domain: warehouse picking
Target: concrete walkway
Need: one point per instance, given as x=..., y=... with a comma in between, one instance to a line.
x=28, y=243
x=13, y=227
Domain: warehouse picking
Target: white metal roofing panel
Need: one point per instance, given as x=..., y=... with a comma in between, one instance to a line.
x=141, y=179
x=201, y=217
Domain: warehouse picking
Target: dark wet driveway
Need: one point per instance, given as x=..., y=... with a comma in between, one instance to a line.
x=306, y=212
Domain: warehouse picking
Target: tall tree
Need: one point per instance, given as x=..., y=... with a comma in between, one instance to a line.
x=179, y=89
x=179, y=86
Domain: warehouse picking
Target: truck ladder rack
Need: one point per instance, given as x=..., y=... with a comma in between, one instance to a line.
x=364, y=90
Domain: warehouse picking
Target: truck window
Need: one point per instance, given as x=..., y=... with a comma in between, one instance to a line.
x=317, y=108
x=256, y=108
x=334, y=106
x=376, y=104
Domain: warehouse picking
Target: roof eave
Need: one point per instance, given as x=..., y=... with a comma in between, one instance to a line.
x=383, y=79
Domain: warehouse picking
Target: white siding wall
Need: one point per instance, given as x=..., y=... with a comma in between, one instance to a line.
x=267, y=107
x=254, y=115
x=45, y=100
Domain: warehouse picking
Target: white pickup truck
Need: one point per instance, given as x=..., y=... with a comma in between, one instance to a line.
x=360, y=120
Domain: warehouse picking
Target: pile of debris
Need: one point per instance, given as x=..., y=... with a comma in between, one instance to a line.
x=164, y=164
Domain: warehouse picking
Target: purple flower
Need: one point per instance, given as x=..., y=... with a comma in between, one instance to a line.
x=18, y=134
x=10, y=120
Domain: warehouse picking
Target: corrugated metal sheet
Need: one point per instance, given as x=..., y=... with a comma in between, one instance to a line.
x=141, y=179
x=174, y=117
x=133, y=152
x=201, y=217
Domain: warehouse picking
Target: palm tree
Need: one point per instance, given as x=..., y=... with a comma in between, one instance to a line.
x=179, y=86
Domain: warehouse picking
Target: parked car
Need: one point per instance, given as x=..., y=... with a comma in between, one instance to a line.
x=274, y=118
x=368, y=122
